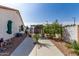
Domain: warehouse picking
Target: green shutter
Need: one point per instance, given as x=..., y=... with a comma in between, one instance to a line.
x=9, y=27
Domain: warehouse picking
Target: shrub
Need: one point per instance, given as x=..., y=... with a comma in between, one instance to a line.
x=75, y=47
x=53, y=29
x=36, y=37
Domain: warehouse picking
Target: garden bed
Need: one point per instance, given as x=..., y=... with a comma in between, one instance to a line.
x=15, y=43
x=65, y=50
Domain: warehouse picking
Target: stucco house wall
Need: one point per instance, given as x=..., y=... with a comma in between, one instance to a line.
x=9, y=14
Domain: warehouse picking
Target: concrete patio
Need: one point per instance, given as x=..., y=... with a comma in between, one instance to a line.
x=47, y=49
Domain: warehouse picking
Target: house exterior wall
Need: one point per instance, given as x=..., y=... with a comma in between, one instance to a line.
x=5, y=15
x=71, y=33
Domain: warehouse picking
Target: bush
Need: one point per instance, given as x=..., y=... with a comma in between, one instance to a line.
x=36, y=37
x=75, y=47
x=53, y=29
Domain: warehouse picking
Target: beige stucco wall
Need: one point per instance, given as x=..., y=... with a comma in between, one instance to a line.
x=5, y=15
x=71, y=33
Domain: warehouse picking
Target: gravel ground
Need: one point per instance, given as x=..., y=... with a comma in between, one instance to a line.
x=15, y=43
x=61, y=46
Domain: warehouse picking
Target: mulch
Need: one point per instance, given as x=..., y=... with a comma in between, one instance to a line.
x=61, y=46
x=15, y=43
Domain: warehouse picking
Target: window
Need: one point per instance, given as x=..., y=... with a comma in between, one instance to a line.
x=21, y=28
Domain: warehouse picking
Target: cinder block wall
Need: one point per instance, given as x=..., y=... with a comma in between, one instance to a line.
x=78, y=33
x=70, y=33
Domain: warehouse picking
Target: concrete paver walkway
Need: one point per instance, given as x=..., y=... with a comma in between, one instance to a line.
x=24, y=48
x=47, y=49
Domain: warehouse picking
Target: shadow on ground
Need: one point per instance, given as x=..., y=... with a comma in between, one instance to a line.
x=43, y=45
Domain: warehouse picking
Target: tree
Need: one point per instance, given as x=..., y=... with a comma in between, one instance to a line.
x=48, y=30
x=57, y=28
x=53, y=29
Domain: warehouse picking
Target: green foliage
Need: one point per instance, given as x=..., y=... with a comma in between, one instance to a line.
x=75, y=47
x=57, y=27
x=47, y=29
x=36, y=37
x=54, y=28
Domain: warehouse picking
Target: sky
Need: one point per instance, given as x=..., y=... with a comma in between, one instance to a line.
x=39, y=13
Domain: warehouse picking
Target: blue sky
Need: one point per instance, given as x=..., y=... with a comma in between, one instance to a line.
x=40, y=13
